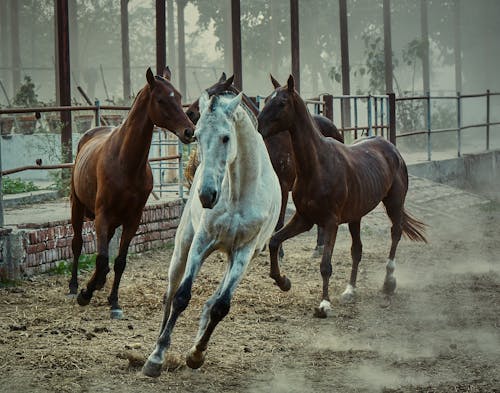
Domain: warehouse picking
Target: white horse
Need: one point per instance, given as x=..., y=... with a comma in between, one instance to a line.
x=233, y=207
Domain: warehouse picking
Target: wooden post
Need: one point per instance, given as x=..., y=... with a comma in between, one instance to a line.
x=125, y=50
x=392, y=118
x=425, y=45
x=14, y=45
x=294, y=27
x=181, y=4
x=344, y=53
x=171, y=55
x=457, y=48
x=161, y=54
x=236, y=38
x=64, y=77
x=388, y=47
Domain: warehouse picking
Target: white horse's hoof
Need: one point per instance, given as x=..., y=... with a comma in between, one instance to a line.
x=152, y=369
x=195, y=358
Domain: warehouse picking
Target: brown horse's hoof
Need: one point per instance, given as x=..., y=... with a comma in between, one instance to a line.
x=83, y=299
x=285, y=284
x=389, y=285
x=116, y=313
x=195, y=358
x=151, y=369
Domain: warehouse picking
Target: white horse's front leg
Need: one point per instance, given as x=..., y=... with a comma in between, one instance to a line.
x=219, y=304
x=199, y=250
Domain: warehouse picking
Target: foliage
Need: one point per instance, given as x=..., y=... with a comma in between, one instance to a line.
x=85, y=263
x=26, y=95
x=17, y=185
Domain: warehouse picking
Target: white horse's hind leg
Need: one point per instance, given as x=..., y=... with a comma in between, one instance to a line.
x=218, y=306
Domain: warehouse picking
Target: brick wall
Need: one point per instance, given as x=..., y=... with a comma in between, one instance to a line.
x=36, y=248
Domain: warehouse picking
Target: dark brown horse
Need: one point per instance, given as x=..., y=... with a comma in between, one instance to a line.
x=112, y=179
x=279, y=147
x=337, y=184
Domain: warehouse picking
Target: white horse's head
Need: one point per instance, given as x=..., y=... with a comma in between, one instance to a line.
x=217, y=144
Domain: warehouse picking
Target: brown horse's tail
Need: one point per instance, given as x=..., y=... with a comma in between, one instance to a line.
x=413, y=229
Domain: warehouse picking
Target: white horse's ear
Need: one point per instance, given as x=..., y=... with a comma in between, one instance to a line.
x=203, y=101
x=233, y=104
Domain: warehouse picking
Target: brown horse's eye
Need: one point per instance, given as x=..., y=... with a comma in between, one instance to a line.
x=225, y=139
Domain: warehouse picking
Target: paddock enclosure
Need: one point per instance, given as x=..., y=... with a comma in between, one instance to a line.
x=438, y=333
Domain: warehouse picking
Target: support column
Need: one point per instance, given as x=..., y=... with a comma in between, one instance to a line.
x=125, y=50
x=294, y=27
x=161, y=54
x=236, y=38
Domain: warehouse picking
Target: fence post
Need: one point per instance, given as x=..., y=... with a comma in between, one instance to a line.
x=97, y=113
x=488, y=119
x=392, y=118
x=369, y=114
x=459, y=124
x=181, y=172
x=355, y=117
x=1, y=187
x=429, y=148
x=328, y=106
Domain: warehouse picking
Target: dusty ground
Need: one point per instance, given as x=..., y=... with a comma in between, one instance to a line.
x=438, y=333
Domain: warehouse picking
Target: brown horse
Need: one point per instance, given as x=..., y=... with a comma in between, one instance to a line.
x=337, y=184
x=279, y=147
x=112, y=179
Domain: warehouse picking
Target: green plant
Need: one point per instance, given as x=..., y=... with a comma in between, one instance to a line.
x=17, y=185
x=85, y=263
x=26, y=95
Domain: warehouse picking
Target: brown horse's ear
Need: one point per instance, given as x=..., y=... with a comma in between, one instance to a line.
x=150, y=78
x=228, y=82
x=275, y=83
x=291, y=84
x=222, y=77
x=167, y=74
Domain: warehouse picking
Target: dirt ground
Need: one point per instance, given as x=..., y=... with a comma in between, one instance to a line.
x=440, y=332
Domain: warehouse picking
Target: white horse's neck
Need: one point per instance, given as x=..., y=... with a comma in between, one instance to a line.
x=245, y=170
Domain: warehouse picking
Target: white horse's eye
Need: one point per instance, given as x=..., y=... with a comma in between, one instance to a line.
x=225, y=139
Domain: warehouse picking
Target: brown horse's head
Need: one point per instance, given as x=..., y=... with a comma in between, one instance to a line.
x=277, y=114
x=165, y=108
x=222, y=85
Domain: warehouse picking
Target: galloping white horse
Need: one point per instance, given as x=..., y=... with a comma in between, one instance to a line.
x=233, y=207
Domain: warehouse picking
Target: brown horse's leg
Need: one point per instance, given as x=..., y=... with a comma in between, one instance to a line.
x=394, y=207
x=356, y=252
x=77, y=212
x=325, y=268
x=281, y=219
x=98, y=279
x=119, y=267
x=320, y=243
x=296, y=226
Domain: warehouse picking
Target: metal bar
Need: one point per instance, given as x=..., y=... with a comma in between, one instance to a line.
x=369, y=115
x=428, y=113
x=236, y=37
x=488, y=119
x=294, y=38
x=355, y=117
x=375, y=107
x=459, y=123
x=181, y=172
x=97, y=113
